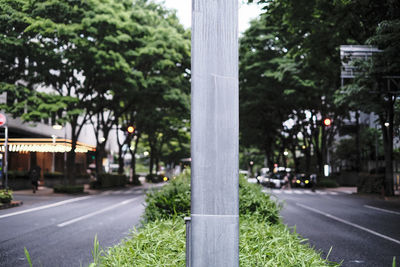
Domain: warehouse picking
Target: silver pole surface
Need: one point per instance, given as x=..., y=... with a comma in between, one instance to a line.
x=215, y=127
x=6, y=157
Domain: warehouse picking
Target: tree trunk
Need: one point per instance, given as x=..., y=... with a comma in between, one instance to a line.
x=135, y=179
x=100, y=152
x=295, y=159
x=358, y=145
x=71, y=162
x=120, y=161
x=388, y=148
x=71, y=156
x=151, y=163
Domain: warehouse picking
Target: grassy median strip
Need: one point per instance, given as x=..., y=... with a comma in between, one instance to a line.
x=264, y=240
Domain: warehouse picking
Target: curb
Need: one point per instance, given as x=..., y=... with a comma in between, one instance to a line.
x=12, y=204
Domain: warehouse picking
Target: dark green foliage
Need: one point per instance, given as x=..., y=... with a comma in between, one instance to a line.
x=53, y=175
x=68, y=189
x=106, y=180
x=18, y=175
x=173, y=200
x=6, y=196
x=370, y=184
x=327, y=183
x=154, y=178
x=255, y=203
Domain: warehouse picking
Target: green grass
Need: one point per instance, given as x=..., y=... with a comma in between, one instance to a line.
x=264, y=240
x=162, y=243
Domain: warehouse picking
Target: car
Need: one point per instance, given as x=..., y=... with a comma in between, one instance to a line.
x=302, y=180
x=274, y=180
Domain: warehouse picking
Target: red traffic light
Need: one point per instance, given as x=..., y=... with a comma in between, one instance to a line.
x=327, y=122
x=131, y=129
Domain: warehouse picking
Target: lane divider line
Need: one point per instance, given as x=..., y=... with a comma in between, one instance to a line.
x=349, y=223
x=45, y=206
x=383, y=210
x=96, y=212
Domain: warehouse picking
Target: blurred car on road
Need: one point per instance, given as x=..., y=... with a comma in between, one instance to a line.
x=301, y=180
x=273, y=180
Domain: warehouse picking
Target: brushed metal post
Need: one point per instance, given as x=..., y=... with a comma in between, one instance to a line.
x=214, y=142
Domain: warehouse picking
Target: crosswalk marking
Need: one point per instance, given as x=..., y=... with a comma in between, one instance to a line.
x=299, y=192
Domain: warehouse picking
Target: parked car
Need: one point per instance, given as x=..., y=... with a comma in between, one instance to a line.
x=274, y=180
x=301, y=180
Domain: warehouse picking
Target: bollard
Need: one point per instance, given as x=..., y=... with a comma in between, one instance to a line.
x=188, y=253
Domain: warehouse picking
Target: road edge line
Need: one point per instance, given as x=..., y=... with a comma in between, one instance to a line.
x=45, y=206
x=349, y=223
x=383, y=210
x=96, y=212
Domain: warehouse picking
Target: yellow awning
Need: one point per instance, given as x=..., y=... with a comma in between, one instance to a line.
x=24, y=145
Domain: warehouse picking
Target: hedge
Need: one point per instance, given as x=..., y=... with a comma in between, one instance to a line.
x=264, y=240
x=107, y=180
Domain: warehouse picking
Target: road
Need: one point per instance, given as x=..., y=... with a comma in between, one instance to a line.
x=59, y=231
x=362, y=231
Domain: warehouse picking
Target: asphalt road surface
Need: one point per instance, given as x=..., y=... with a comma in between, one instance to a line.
x=59, y=231
x=362, y=231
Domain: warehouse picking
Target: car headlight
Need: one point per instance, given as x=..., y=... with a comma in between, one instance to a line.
x=307, y=181
x=298, y=181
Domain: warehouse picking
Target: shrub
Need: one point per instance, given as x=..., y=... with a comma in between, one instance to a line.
x=173, y=200
x=371, y=184
x=53, y=175
x=68, y=189
x=329, y=183
x=106, y=180
x=18, y=174
x=83, y=176
x=154, y=178
x=6, y=196
x=254, y=202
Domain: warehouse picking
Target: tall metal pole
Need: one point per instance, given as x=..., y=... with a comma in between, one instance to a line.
x=215, y=113
x=6, y=157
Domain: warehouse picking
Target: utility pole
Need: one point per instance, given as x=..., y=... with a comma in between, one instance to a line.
x=214, y=230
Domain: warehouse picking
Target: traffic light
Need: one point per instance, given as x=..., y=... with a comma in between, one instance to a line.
x=327, y=122
x=130, y=129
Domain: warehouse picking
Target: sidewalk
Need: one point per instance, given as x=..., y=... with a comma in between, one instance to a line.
x=343, y=189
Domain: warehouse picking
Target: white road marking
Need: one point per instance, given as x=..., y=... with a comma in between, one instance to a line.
x=96, y=212
x=349, y=223
x=45, y=206
x=383, y=210
x=117, y=192
x=128, y=192
x=299, y=192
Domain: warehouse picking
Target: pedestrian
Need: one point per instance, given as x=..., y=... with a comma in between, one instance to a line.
x=313, y=180
x=34, y=175
x=286, y=182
